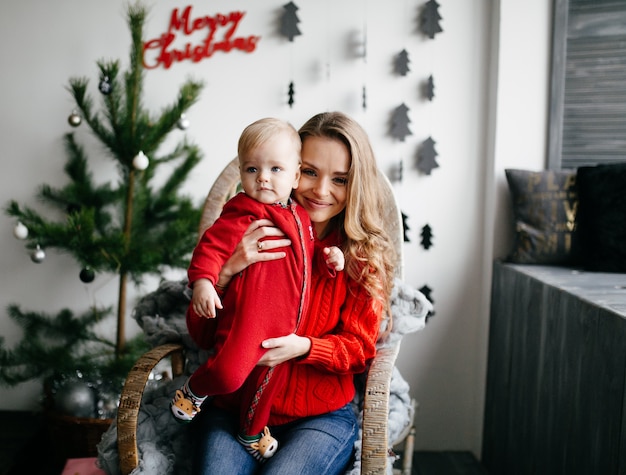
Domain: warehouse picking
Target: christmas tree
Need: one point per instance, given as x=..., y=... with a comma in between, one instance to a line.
x=131, y=228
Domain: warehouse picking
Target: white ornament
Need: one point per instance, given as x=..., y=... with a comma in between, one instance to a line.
x=140, y=162
x=183, y=122
x=20, y=231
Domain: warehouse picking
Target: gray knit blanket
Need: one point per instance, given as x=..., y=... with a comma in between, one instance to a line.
x=165, y=448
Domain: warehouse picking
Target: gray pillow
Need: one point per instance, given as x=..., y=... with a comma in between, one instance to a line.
x=544, y=209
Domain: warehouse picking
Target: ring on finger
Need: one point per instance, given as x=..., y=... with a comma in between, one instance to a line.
x=259, y=245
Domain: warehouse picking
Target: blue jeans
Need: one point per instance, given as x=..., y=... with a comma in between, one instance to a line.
x=313, y=445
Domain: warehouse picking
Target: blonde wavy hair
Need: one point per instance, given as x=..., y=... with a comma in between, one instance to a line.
x=369, y=252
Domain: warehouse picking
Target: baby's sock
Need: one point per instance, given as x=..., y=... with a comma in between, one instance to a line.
x=247, y=441
x=261, y=446
x=185, y=404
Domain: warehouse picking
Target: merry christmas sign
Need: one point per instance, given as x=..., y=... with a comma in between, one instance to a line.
x=194, y=38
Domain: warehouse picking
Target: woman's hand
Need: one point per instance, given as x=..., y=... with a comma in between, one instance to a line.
x=254, y=248
x=284, y=348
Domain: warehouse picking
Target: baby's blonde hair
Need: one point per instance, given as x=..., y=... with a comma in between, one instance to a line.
x=261, y=130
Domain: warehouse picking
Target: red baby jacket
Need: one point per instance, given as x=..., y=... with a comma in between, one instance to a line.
x=270, y=305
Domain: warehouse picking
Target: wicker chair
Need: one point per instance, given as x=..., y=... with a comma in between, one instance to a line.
x=375, y=446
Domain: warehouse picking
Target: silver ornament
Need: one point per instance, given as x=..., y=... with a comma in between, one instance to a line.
x=20, y=231
x=38, y=255
x=140, y=162
x=105, y=85
x=76, y=398
x=74, y=119
x=183, y=122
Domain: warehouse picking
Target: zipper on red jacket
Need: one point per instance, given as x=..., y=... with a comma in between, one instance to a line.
x=306, y=266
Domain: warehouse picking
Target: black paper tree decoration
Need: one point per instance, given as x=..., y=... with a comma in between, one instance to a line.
x=364, y=98
x=402, y=63
x=427, y=236
x=429, y=88
x=400, y=122
x=397, y=172
x=289, y=21
x=291, y=93
x=364, y=56
x=429, y=19
x=427, y=291
x=364, y=45
x=405, y=227
x=426, y=156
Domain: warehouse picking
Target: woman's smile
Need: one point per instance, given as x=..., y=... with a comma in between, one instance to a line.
x=317, y=204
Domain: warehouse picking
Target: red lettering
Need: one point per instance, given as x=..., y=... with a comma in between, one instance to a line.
x=198, y=53
x=163, y=57
x=247, y=45
x=177, y=24
x=149, y=45
x=199, y=23
x=234, y=18
x=162, y=52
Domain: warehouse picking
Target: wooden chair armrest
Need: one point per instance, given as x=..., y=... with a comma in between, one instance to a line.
x=130, y=400
x=376, y=411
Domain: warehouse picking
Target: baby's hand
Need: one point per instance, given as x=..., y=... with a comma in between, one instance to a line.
x=204, y=299
x=334, y=258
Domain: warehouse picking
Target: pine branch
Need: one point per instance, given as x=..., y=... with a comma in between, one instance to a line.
x=134, y=77
x=188, y=95
x=116, y=136
x=47, y=339
x=81, y=192
x=77, y=236
x=180, y=174
x=78, y=89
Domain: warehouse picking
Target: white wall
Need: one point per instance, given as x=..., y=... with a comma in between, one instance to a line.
x=490, y=67
x=517, y=130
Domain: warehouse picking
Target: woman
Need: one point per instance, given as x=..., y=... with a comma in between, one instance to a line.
x=311, y=417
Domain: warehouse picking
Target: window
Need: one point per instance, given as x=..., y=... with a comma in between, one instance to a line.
x=588, y=85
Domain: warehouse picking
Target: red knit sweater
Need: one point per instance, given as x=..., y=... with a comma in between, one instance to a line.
x=342, y=323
